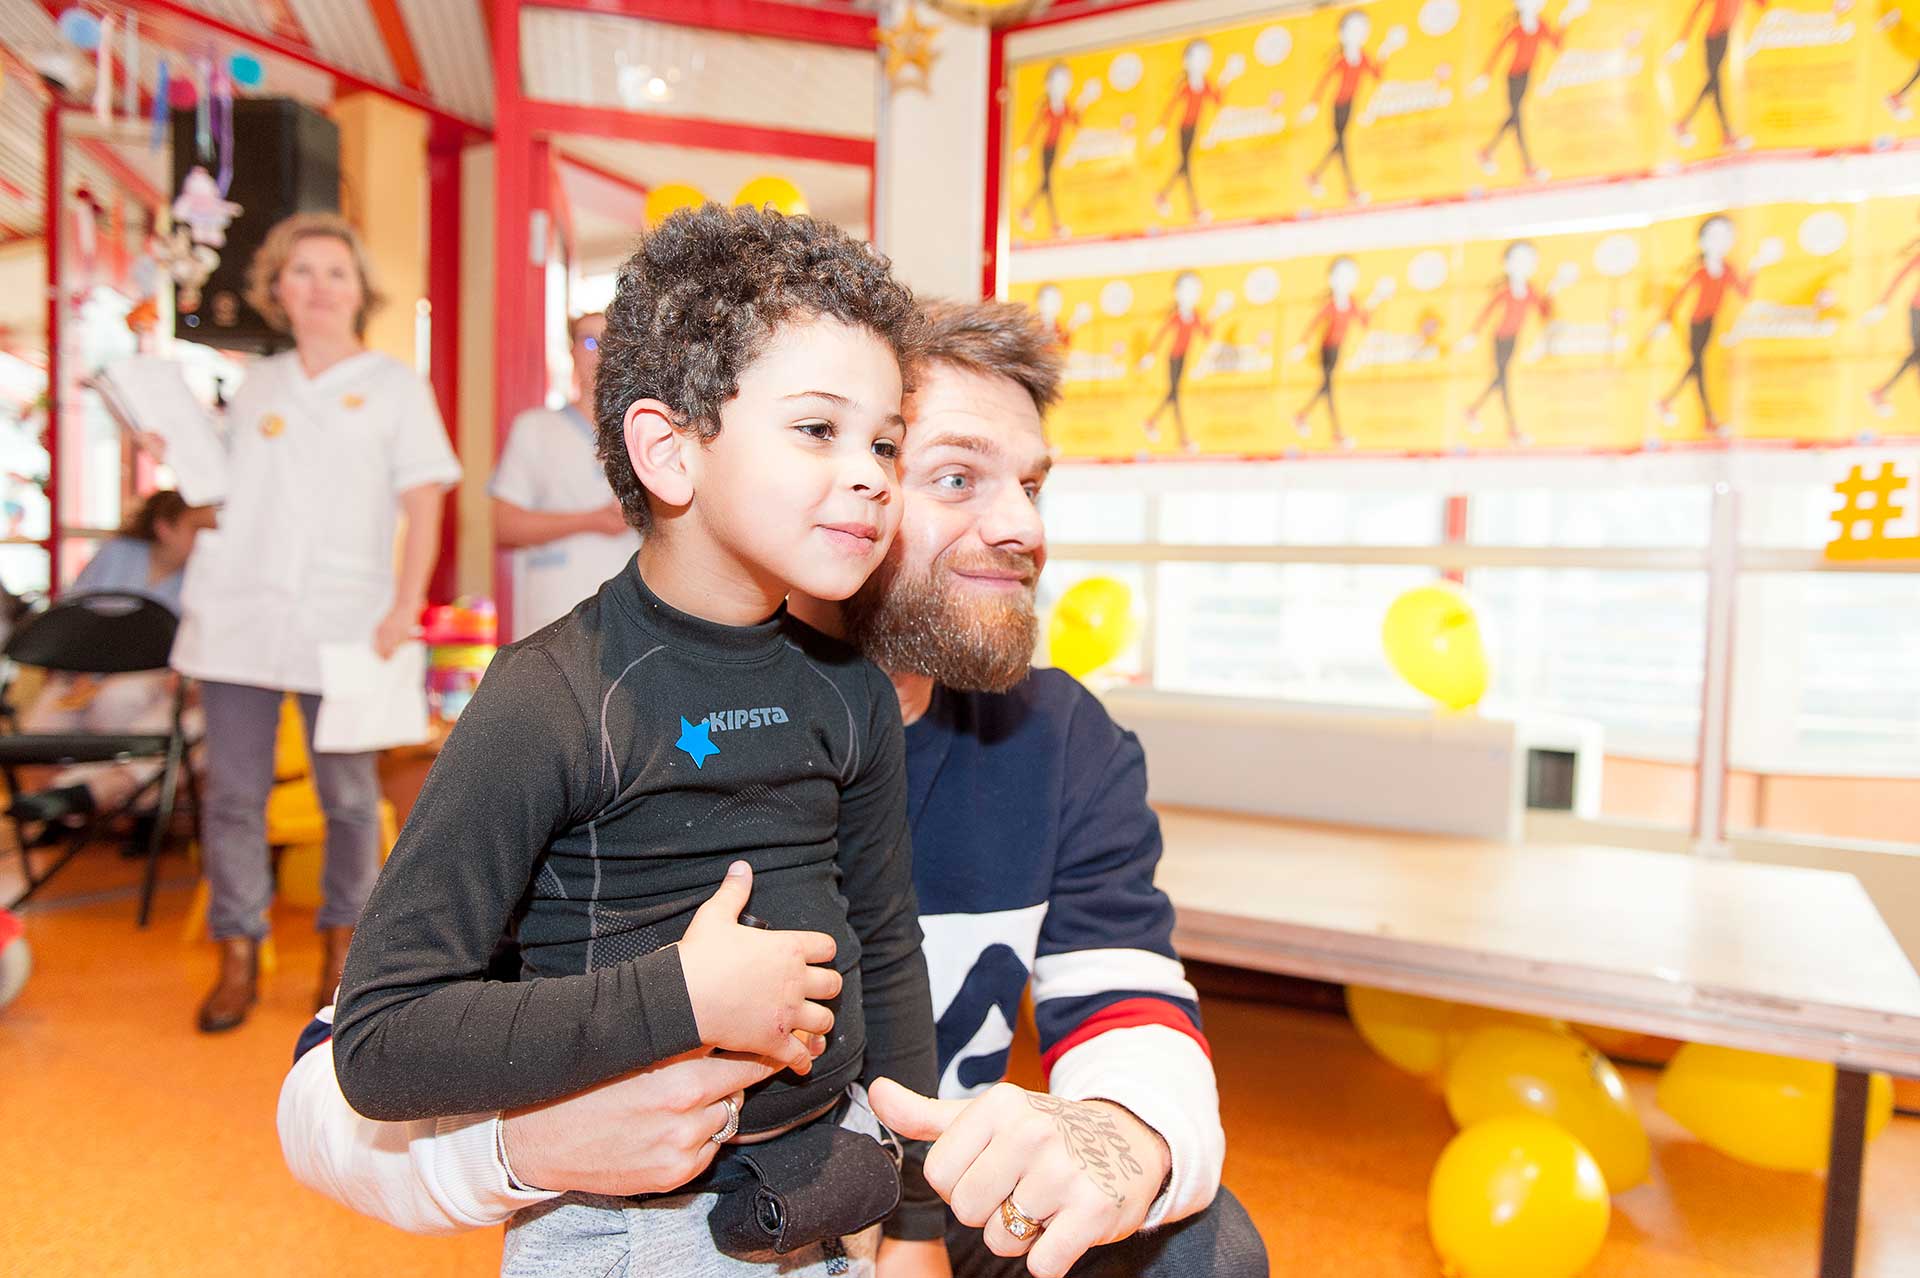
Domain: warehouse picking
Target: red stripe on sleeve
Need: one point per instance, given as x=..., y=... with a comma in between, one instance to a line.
x=1126, y=1014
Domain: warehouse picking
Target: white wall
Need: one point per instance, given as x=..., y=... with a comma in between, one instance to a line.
x=932, y=167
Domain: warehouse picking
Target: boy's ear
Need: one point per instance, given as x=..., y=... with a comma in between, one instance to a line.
x=658, y=452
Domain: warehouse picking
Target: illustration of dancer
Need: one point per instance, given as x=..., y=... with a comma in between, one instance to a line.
x=1515, y=297
x=1184, y=322
x=1713, y=274
x=1056, y=115
x=1050, y=305
x=1897, y=100
x=1881, y=404
x=1719, y=32
x=1526, y=31
x=1350, y=65
x=1191, y=97
x=1332, y=320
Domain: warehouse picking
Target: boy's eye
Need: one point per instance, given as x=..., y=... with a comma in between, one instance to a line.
x=816, y=429
x=886, y=448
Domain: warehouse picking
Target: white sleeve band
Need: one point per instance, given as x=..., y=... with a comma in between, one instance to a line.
x=1163, y=1077
x=427, y=1177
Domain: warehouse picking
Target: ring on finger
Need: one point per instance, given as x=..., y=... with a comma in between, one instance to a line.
x=1020, y=1225
x=732, y=1126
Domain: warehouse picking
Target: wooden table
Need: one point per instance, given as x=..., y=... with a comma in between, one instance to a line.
x=1768, y=958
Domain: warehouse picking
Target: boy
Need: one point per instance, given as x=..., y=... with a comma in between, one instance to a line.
x=673, y=734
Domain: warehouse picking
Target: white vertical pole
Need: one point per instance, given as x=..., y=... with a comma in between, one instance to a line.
x=1716, y=687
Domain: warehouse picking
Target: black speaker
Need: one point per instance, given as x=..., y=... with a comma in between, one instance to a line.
x=286, y=160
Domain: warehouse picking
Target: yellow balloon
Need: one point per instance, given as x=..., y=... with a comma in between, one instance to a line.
x=1408, y=1031
x=1433, y=640
x=1516, y=1197
x=1506, y=1070
x=1091, y=625
x=1628, y=1045
x=1421, y=1035
x=1904, y=34
x=669, y=198
x=1771, y=1111
x=300, y=867
x=782, y=195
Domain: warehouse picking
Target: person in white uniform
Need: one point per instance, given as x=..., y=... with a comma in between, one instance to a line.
x=330, y=446
x=551, y=502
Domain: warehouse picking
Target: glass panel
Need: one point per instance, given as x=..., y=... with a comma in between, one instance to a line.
x=1302, y=517
x=1594, y=517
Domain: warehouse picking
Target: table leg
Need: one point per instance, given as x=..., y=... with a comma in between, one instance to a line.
x=1846, y=1155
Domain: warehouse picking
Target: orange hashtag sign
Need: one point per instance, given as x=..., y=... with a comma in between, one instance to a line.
x=1865, y=509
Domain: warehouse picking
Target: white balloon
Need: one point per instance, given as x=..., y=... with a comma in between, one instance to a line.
x=1823, y=234
x=1428, y=270
x=1262, y=285
x=1124, y=72
x=1617, y=255
x=1271, y=47
x=1438, y=17
x=1116, y=298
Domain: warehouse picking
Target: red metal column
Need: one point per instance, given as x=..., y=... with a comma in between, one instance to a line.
x=1455, y=532
x=443, y=358
x=996, y=117
x=56, y=308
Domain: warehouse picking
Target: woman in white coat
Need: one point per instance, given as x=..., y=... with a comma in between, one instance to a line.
x=329, y=445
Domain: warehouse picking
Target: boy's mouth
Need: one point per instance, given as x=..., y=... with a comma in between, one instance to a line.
x=859, y=538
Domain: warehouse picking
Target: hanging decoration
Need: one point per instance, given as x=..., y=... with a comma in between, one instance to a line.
x=203, y=208
x=81, y=29
x=774, y=192
x=993, y=13
x=87, y=213
x=246, y=70
x=103, y=71
x=908, y=50
x=162, y=100
x=130, y=67
x=189, y=264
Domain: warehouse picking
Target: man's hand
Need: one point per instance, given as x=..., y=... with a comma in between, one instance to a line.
x=755, y=990
x=1089, y=1170
x=608, y=521
x=898, y=1258
x=398, y=626
x=647, y=1133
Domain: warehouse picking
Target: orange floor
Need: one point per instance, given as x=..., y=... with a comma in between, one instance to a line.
x=130, y=1145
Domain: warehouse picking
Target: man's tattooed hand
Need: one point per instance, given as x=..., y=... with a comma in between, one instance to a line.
x=1094, y=1138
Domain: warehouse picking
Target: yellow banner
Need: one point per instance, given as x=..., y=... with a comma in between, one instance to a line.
x=1791, y=322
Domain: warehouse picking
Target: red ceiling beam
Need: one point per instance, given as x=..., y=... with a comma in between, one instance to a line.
x=393, y=31
x=689, y=131
x=846, y=28
x=282, y=47
x=605, y=194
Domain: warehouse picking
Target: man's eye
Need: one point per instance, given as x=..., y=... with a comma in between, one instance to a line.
x=955, y=482
x=1032, y=491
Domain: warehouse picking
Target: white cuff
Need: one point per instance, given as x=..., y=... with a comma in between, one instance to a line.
x=1166, y=1081
x=462, y=1161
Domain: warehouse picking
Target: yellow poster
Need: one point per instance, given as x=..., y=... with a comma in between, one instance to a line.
x=1216, y=142
x=1806, y=70
x=1378, y=119
x=1089, y=318
x=1703, y=87
x=1367, y=362
x=1073, y=164
x=1700, y=276
x=1795, y=345
x=1889, y=367
x=1547, y=350
x=1893, y=74
x=1558, y=91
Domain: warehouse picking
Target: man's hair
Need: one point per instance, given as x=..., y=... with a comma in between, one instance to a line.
x=698, y=302
x=163, y=507
x=1001, y=339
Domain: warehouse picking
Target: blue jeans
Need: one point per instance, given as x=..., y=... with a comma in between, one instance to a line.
x=242, y=725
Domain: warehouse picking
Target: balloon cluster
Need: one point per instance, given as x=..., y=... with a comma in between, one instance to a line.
x=1549, y=1133
x=777, y=193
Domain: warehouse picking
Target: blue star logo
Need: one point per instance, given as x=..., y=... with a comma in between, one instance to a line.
x=696, y=741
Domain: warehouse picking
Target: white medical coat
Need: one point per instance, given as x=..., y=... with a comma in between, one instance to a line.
x=305, y=554
x=550, y=464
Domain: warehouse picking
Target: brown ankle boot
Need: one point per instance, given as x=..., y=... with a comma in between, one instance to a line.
x=333, y=961
x=234, y=991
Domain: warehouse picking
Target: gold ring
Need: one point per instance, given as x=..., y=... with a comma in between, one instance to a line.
x=731, y=1126
x=1018, y=1223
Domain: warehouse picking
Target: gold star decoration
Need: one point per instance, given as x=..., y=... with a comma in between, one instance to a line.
x=909, y=51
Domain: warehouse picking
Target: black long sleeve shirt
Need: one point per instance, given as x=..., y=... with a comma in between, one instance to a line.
x=606, y=772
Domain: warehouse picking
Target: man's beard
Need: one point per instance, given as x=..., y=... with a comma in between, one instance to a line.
x=925, y=625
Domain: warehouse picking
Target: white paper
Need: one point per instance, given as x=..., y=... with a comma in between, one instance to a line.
x=370, y=704
x=145, y=392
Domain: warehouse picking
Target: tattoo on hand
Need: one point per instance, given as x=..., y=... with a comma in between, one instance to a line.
x=1094, y=1138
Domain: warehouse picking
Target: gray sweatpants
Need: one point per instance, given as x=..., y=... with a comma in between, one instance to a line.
x=242, y=724
x=587, y=1236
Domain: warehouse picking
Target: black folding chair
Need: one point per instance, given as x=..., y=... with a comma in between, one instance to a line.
x=106, y=633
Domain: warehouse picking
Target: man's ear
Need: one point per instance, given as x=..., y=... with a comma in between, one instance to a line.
x=658, y=452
